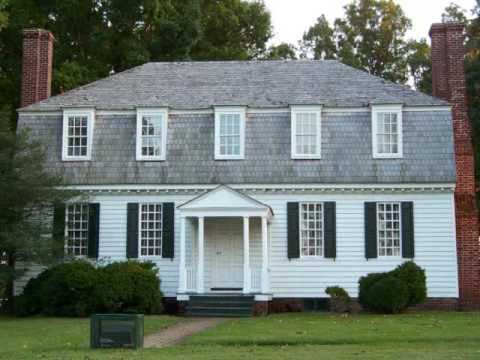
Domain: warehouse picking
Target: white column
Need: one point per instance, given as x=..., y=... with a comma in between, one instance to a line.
x=182, y=271
x=265, y=289
x=201, y=255
x=246, y=255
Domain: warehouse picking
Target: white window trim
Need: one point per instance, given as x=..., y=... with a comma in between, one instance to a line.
x=398, y=109
x=163, y=151
x=399, y=256
x=230, y=110
x=294, y=110
x=139, y=225
x=90, y=114
x=300, y=230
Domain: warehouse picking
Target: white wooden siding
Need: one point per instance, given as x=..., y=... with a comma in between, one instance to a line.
x=435, y=247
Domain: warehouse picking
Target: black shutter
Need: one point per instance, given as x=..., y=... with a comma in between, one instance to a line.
x=168, y=230
x=370, y=230
x=408, y=243
x=93, y=229
x=329, y=230
x=58, y=232
x=132, y=230
x=293, y=235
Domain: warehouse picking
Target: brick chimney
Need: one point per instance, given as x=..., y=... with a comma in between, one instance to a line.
x=448, y=73
x=36, y=65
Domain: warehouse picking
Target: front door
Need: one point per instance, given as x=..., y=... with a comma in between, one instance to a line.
x=227, y=253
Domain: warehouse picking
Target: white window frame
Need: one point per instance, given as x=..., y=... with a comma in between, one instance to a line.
x=399, y=229
x=90, y=114
x=140, y=230
x=300, y=205
x=294, y=111
x=66, y=230
x=379, y=109
x=163, y=151
x=219, y=111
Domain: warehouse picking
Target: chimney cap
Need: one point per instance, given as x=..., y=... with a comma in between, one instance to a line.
x=443, y=27
x=36, y=32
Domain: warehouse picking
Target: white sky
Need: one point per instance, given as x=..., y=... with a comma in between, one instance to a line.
x=291, y=18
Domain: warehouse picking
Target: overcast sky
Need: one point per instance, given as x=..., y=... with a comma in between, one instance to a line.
x=291, y=18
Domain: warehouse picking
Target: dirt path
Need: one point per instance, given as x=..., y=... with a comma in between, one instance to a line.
x=178, y=332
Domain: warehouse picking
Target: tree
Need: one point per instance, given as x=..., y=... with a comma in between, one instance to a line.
x=232, y=30
x=370, y=36
x=27, y=189
x=454, y=13
x=282, y=51
x=319, y=41
x=420, y=65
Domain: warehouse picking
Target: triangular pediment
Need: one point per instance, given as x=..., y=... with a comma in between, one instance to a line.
x=223, y=197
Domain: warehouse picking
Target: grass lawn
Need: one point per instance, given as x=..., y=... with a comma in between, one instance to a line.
x=287, y=336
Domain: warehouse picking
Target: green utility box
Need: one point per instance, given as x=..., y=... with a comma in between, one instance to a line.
x=116, y=331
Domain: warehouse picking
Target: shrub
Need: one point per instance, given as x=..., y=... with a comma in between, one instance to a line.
x=339, y=299
x=68, y=289
x=365, y=283
x=395, y=290
x=128, y=287
x=414, y=277
x=32, y=300
x=388, y=294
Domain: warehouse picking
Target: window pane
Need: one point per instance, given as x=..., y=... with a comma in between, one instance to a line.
x=387, y=133
x=151, y=220
x=311, y=233
x=306, y=133
x=388, y=219
x=229, y=135
x=76, y=242
x=151, y=135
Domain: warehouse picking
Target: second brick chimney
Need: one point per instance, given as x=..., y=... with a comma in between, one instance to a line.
x=36, y=65
x=448, y=73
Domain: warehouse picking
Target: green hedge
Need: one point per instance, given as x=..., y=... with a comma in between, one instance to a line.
x=77, y=288
x=393, y=291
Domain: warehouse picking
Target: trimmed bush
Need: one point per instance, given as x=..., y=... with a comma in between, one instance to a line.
x=77, y=288
x=393, y=291
x=388, y=294
x=129, y=287
x=339, y=299
x=414, y=277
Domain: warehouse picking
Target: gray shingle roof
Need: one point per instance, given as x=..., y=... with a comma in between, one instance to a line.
x=199, y=85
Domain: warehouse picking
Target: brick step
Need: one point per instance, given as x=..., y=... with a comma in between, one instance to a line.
x=204, y=303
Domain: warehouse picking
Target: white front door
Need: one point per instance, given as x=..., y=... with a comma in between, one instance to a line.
x=227, y=255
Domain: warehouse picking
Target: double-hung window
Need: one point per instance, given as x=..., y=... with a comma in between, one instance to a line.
x=77, y=134
x=306, y=132
x=388, y=227
x=151, y=134
x=76, y=229
x=150, y=229
x=229, y=133
x=387, y=131
x=311, y=229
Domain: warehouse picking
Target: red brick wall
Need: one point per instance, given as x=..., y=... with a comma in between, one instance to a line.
x=448, y=54
x=36, y=65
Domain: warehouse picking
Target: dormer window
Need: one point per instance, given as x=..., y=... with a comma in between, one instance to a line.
x=306, y=132
x=151, y=134
x=229, y=133
x=387, y=131
x=77, y=134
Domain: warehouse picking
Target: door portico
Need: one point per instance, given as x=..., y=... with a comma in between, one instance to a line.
x=223, y=226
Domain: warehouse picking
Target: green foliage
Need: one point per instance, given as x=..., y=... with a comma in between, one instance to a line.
x=340, y=301
x=77, y=288
x=388, y=295
x=454, y=13
x=282, y=51
x=128, y=287
x=6, y=276
x=395, y=290
x=413, y=276
x=370, y=36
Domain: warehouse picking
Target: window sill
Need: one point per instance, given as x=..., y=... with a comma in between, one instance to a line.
x=150, y=159
x=392, y=156
x=229, y=158
x=67, y=159
x=306, y=157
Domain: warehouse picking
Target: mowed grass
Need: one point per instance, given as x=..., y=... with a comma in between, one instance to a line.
x=452, y=335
